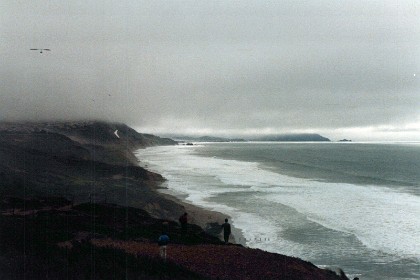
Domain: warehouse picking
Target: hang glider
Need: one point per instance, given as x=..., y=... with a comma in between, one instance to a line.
x=116, y=133
x=41, y=50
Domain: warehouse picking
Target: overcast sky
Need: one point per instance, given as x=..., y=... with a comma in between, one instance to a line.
x=345, y=69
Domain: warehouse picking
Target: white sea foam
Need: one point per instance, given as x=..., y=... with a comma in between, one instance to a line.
x=381, y=218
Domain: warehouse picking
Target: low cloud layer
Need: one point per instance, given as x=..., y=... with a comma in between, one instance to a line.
x=221, y=67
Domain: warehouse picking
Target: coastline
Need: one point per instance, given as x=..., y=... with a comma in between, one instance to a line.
x=209, y=220
x=83, y=183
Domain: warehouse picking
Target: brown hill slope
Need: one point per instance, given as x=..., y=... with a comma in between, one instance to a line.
x=54, y=240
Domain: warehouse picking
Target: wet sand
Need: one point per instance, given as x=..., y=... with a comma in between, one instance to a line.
x=209, y=220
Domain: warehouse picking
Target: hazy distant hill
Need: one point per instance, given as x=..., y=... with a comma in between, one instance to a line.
x=205, y=139
x=304, y=137
x=218, y=139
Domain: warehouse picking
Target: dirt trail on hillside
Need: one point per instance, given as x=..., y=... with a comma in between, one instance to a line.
x=226, y=261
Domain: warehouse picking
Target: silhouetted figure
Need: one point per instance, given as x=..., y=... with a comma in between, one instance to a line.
x=183, y=220
x=226, y=231
x=163, y=243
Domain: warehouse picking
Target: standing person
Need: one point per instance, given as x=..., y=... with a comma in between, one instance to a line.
x=226, y=231
x=163, y=243
x=183, y=220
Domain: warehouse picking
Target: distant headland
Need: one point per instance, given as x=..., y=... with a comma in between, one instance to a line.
x=301, y=137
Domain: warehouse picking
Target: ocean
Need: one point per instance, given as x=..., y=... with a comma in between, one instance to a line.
x=355, y=206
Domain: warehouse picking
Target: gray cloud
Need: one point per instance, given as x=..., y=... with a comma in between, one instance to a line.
x=216, y=66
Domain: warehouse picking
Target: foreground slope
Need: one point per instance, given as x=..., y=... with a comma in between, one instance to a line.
x=52, y=239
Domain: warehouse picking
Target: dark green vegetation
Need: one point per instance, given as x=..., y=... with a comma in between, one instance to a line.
x=30, y=239
x=82, y=162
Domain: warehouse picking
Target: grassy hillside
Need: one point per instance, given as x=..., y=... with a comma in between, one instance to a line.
x=80, y=161
x=49, y=238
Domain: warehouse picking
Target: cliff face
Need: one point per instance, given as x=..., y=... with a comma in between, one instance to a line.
x=101, y=133
x=81, y=160
x=93, y=133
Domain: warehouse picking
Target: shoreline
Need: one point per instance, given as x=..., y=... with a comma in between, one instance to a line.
x=209, y=220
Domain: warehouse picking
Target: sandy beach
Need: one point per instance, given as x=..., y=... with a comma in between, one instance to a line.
x=209, y=220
